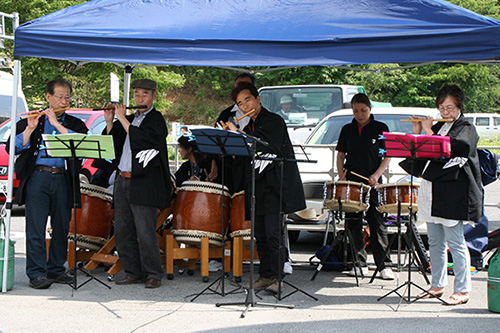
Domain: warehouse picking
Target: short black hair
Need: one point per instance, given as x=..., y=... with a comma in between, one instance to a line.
x=244, y=86
x=246, y=75
x=57, y=82
x=453, y=91
x=186, y=142
x=361, y=98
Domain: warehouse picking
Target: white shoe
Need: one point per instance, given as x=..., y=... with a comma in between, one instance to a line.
x=363, y=269
x=287, y=268
x=387, y=274
x=214, y=266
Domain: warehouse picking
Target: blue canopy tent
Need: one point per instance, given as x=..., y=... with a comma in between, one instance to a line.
x=258, y=33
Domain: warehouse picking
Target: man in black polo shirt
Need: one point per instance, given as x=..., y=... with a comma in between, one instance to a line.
x=358, y=151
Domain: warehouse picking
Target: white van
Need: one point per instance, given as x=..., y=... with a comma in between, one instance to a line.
x=487, y=124
x=6, y=85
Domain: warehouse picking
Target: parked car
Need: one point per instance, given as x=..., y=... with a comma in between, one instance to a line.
x=95, y=123
x=487, y=124
x=325, y=136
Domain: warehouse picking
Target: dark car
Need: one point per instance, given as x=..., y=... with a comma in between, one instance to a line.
x=95, y=123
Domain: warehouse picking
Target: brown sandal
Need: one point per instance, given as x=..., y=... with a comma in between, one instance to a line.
x=427, y=294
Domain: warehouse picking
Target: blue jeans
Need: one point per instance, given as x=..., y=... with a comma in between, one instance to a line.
x=46, y=194
x=439, y=236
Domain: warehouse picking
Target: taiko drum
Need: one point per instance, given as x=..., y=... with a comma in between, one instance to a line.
x=389, y=194
x=198, y=212
x=93, y=220
x=354, y=196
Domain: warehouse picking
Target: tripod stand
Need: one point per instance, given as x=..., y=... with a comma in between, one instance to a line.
x=398, y=145
x=221, y=143
x=422, y=262
x=250, y=297
x=347, y=243
x=72, y=147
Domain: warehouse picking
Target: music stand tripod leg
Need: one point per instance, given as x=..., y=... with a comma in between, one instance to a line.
x=76, y=193
x=250, y=298
x=221, y=279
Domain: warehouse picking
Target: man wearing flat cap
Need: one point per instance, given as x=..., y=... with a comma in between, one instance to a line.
x=142, y=184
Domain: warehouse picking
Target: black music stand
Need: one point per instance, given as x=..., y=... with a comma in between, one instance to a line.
x=239, y=145
x=222, y=143
x=72, y=147
x=400, y=146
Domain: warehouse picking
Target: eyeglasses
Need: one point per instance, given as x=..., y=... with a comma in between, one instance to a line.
x=60, y=98
x=448, y=108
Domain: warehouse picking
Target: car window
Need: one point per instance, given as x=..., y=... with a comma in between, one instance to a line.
x=308, y=104
x=4, y=132
x=496, y=120
x=482, y=121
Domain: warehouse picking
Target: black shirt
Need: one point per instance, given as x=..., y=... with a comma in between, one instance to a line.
x=362, y=151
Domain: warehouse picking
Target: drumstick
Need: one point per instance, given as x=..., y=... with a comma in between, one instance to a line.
x=40, y=113
x=422, y=119
x=360, y=176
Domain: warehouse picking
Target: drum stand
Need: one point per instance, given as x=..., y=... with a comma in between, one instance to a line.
x=354, y=253
x=411, y=254
x=71, y=146
x=406, y=239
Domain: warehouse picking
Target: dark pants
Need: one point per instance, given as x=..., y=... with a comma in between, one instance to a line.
x=267, y=234
x=135, y=234
x=46, y=194
x=378, y=233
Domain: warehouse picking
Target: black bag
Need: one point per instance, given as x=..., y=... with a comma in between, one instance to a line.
x=335, y=261
x=490, y=169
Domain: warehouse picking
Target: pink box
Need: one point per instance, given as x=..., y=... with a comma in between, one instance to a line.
x=426, y=146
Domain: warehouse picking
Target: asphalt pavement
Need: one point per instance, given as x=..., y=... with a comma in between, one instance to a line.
x=341, y=306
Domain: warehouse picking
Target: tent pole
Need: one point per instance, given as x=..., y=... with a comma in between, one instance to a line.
x=127, y=74
x=8, y=204
x=10, y=182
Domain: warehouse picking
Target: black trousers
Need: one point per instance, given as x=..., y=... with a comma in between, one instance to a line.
x=267, y=234
x=378, y=233
x=135, y=234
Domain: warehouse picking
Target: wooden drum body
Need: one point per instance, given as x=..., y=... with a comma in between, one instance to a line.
x=93, y=220
x=389, y=194
x=198, y=212
x=355, y=197
x=239, y=226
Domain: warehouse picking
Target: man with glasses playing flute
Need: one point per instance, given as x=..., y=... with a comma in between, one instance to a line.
x=45, y=186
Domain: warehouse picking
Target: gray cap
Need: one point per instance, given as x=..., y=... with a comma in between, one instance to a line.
x=144, y=84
